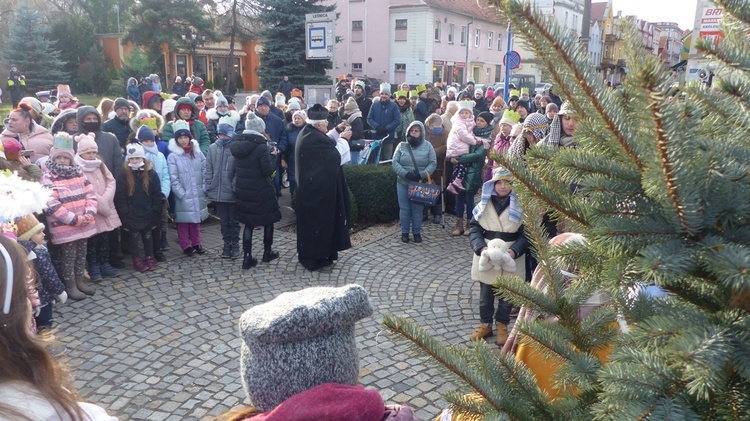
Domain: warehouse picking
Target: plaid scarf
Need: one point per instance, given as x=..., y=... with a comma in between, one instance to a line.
x=488, y=190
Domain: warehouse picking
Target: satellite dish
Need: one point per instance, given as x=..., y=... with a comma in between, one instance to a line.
x=703, y=75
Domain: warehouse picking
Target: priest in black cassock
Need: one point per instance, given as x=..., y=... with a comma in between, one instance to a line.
x=323, y=206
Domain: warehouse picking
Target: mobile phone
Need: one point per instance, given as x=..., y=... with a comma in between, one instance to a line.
x=28, y=153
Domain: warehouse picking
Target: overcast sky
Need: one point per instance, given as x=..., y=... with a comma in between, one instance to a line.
x=680, y=11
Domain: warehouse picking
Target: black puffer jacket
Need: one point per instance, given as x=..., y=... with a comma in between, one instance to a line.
x=253, y=187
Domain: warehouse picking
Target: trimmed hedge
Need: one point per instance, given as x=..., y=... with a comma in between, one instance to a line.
x=373, y=189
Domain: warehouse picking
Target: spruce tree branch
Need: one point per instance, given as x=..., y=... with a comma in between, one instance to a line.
x=401, y=326
x=527, y=22
x=737, y=8
x=533, y=188
x=668, y=167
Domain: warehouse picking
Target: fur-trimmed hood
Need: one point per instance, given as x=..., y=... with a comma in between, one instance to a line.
x=135, y=121
x=212, y=114
x=177, y=150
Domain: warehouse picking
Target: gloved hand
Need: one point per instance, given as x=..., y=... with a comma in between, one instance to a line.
x=412, y=176
x=62, y=298
x=381, y=130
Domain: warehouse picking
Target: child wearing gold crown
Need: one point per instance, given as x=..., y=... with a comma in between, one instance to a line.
x=70, y=215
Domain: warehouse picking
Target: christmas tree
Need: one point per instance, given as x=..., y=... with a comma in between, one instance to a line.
x=29, y=48
x=662, y=196
x=284, y=44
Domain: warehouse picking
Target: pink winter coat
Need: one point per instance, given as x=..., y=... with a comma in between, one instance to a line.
x=39, y=140
x=72, y=198
x=461, y=137
x=104, y=187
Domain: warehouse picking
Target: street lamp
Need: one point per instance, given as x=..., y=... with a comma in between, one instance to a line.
x=194, y=41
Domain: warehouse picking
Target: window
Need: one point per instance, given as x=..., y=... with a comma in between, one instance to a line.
x=356, y=67
x=401, y=27
x=464, y=35
x=500, y=43
x=498, y=72
x=489, y=40
x=357, y=33
x=438, y=30
x=451, y=33
x=477, y=37
x=400, y=67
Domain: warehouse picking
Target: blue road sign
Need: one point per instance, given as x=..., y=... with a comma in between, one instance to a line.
x=512, y=60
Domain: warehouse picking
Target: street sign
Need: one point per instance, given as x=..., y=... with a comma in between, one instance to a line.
x=512, y=60
x=320, y=38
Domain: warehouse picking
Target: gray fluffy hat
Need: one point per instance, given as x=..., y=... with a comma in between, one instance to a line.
x=254, y=124
x=300, y=340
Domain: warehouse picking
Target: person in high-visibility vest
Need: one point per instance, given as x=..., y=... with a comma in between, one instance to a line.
x=16, y=84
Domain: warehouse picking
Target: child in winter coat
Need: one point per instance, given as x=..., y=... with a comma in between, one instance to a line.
x=503, y=139
x=218, y=181
x=30, y=234
x=460, y=138
x=147, y=138
x=139, y=203
x=187, y=164
x=106, y=217
x=70, y=215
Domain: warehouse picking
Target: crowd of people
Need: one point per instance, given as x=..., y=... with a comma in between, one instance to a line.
x=118, y=172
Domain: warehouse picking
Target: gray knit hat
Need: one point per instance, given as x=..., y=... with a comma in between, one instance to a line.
x=300, y=340
x=254, y=124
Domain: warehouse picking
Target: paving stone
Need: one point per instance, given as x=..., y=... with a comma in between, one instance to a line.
x=164, y=344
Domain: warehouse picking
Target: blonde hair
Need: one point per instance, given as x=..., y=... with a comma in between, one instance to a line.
x=105, y=107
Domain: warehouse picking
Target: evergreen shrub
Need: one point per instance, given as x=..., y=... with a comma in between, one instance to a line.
x=374, y=191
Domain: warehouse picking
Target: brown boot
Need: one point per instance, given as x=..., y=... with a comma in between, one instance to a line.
x=481, y=332
x=85, y=288
x=467, y=231
x=459, y=230
x=501, y=330
x=72, y=290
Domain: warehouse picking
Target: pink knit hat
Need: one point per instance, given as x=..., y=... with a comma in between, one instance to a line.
x=86, y=143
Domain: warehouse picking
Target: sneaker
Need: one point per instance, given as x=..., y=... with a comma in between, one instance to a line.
x=417, y=238
x=405, y=238
x=502, y=333
x=189, y=251
x=108, y=270
x=481, y=332
x=95, y=272
x=226, y=252
x=199, y=249
x=160, y=257
x=151, y=263
x=234, y=250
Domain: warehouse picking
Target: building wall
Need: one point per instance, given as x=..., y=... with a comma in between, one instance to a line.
x=415, y=50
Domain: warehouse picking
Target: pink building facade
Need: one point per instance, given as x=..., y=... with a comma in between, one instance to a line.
x=419, y=41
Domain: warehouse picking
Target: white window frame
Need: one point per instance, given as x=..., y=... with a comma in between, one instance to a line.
x=451, y=33
x=477, y=37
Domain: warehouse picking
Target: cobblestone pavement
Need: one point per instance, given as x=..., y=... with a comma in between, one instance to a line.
x=164, y=345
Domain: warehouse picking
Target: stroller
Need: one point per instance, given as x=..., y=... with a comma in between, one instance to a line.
x=371, y=152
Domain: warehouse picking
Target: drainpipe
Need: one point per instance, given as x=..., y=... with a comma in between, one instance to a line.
x=468, y=44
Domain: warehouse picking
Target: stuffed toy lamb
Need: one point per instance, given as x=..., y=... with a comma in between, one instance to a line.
x=495, y=257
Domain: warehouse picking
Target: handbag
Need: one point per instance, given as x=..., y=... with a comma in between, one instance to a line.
x=426, y=194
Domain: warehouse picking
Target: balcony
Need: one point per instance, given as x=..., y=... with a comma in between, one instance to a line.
x=610, y=38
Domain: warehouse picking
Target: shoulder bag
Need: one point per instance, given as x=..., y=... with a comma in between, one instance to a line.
x=425, y=194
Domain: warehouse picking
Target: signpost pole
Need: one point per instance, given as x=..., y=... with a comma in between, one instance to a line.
x=507, y=69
